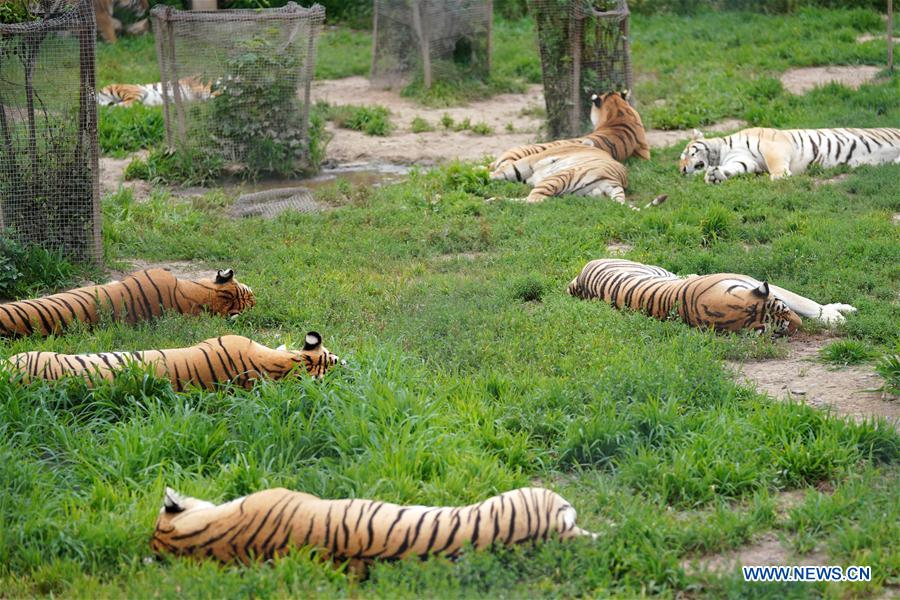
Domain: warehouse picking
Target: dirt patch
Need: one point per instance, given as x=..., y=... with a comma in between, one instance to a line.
x=432, y=147
x=868, y=37
x=618, y=248
x=800, y=81
x=801, y=377
x=830, y=180
x=658, y=138
x=766, y=549
x=180, y=268
x=112, y=175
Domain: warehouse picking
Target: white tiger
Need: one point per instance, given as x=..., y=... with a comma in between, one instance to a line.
x=783, y=153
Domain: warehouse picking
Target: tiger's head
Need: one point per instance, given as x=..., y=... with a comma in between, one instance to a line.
x=609, y=106
x=175, y=507
x=696, y=156
x=315, y=358
x=767, y=314
x=231, y=297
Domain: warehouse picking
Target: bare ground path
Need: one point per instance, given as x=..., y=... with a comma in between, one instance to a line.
x=801, y=377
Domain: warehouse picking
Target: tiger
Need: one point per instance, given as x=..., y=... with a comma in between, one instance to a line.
x=151, y=94
x=618, y=129
x=139, y=296
x=578, y=170
x=225, y=359
x=267, y=524
x=722, y=301
x=108, y=25
x=783, y=153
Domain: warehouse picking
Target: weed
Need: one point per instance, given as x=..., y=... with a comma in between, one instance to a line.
x=371, y=120
x=889, y=369
x=846, y=352
x=420, y=125
x=447, y=121
x=481, y=128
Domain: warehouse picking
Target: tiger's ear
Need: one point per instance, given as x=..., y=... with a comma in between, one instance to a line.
x=596, y=100
x=624, y=94
x=172, y=502
x=697, y=135
x=282, y=347
x=224, y=276
x=313, y=341
x=763, y=290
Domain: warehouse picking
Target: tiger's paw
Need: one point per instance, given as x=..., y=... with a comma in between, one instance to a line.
x=714, y=175
x=833, y=314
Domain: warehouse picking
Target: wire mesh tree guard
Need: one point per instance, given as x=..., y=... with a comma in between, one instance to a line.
x=585, y=49
x=236, y=83
x=49, y=177
x=431, y=41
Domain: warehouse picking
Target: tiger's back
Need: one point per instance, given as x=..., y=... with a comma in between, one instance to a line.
x=142, y=295
x=225, y=359
x=722, y=301
x=268, y=523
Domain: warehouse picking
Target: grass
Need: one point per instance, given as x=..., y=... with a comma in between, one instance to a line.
x=371, y=120
x=846, y=352
x=126, y=130
x=420, y=125
x=471, y=371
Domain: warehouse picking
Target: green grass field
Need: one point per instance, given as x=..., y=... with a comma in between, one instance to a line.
x=472, y=372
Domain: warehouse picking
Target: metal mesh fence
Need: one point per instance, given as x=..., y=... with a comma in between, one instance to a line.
x=49, y=178
x=584, y=50
x=430, y=41
x=236, y=83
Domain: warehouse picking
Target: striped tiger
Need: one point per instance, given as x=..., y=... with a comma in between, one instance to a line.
x=724, y=301
x=618, y=129
x=783, y=153
x=151, y=94
x=226, y=359
x=139, y=296
x=268, y=523
x=578, y=170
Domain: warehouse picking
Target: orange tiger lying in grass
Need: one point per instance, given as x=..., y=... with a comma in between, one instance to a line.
x=227, y=359
x=269, y=523
x=139, y=296
x=151, y=94
x=618, y=129
x=724, y=301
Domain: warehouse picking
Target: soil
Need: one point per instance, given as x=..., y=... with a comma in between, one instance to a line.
x=429, y=148
x=766, y=549
x=179, y=268
x=868, y=37
x=802, y=377
x=800, y=81
x=112, y=175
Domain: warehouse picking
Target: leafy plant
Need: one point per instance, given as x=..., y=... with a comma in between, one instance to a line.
x=254, y=114
x=188, y=165
x=447, y=121
x=481, y=128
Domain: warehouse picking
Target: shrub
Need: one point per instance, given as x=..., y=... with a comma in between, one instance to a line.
x=529, y=288
x=481, y=128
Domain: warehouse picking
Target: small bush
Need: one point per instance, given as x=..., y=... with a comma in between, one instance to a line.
x=846, y=352
x=447, y=121
x=529, y=288
x=28, y=270
x=889, y=368
x=420, y=125
x=371, y=120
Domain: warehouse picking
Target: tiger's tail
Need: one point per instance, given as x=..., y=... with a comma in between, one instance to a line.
x=657, y=201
